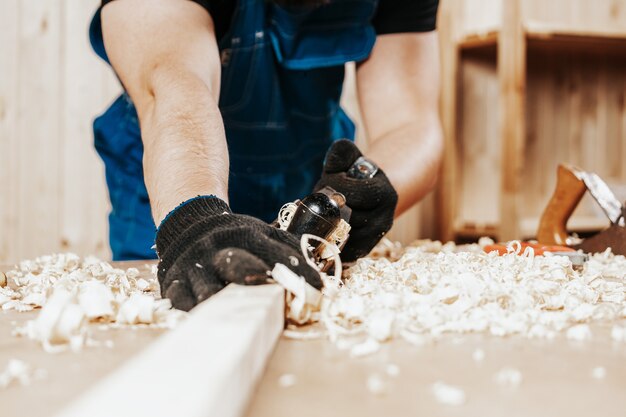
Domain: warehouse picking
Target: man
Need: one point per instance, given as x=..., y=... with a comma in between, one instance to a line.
x=238, y=103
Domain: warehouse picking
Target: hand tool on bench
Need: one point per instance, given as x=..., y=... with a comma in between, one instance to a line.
x=538, y=249
x=571, y=185
x=324, y=214
x=577, y=258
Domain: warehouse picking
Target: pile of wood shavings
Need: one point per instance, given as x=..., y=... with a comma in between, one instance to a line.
x=19, y=372
x=428, y=289
x=73, y=292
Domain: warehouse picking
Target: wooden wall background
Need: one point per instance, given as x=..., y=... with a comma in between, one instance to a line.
x=52, y=194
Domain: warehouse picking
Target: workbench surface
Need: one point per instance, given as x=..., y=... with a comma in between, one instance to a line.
x=69, y=374
x=556, y=375
x=556, y=378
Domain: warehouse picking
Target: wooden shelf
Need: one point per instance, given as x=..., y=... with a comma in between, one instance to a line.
x=540, y=30
x=526, y=87
x=541, y=35
x=479, y=39
x=528, y=227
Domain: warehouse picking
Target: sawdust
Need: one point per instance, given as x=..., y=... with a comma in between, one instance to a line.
x=287, y=380
x=429, y=289
x=599, y=372
x=72, y=293
x=376, y=384
x=508, y=377
x=18, y=372
x=448, y=394
x=478, y=355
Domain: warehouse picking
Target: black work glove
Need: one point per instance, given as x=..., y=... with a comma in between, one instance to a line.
x=203, y=246
x=373, y=201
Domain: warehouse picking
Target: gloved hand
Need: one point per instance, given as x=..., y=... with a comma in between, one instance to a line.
x=203, y=246
x=372, y=200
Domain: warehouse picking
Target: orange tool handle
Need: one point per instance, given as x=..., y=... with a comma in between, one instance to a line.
x=567, y=194
x=537, y=247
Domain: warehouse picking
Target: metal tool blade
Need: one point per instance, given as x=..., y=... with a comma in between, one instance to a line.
x=604, y=197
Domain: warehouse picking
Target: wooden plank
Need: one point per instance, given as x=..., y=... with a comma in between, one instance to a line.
x=622, y=121
x=8, y=132
x=577, y=16
x=83, y=200
x=512, y=81
x=479, y=40
x=479, y=17
x=480, y=148
x=613, y=90
x=448, y=187
x=40, y=100
x=52, y=185
x=542, y=30
x=208, y=366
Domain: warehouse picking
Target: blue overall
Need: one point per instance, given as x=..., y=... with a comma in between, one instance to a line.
x=282, y=74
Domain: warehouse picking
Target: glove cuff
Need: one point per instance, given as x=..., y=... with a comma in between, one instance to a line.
x=185, y=215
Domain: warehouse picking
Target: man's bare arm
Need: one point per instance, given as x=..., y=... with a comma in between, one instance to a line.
x=166, y=55
x=398, y=90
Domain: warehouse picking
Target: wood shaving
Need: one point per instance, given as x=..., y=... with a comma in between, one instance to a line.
x=599, y=372
x=448, y=394
x=3, y=279
x=287, y=380
x=302, y=300
x=508, y=377
x=303, y=335
x=376, y=384
x=392, y=370
x=19, y=372
x=478, y=355
x=618, y=333
x=579, y=332
x=73, y=292
x=428, y=289
x=364, y=349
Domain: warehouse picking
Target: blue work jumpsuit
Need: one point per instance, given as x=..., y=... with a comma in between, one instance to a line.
x=282, y=75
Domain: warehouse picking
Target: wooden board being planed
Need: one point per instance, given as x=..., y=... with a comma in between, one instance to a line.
x=208, y=366
x=121, y=369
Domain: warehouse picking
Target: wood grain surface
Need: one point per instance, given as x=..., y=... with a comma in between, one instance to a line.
x=556, y=379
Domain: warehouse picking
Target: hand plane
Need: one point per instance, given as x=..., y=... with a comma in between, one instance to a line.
x=571, y=185
x=324, y=214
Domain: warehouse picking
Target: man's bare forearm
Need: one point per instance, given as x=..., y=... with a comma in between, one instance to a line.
x=166, y=55
x=412, y=171
x=399, y=96
x=185, y=153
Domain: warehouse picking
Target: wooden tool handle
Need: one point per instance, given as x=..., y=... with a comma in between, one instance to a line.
x=568, y=193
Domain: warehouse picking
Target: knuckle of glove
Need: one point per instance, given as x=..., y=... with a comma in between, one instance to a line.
x=341, y=155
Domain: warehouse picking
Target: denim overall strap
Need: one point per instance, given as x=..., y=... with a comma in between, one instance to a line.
x=282, y=75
